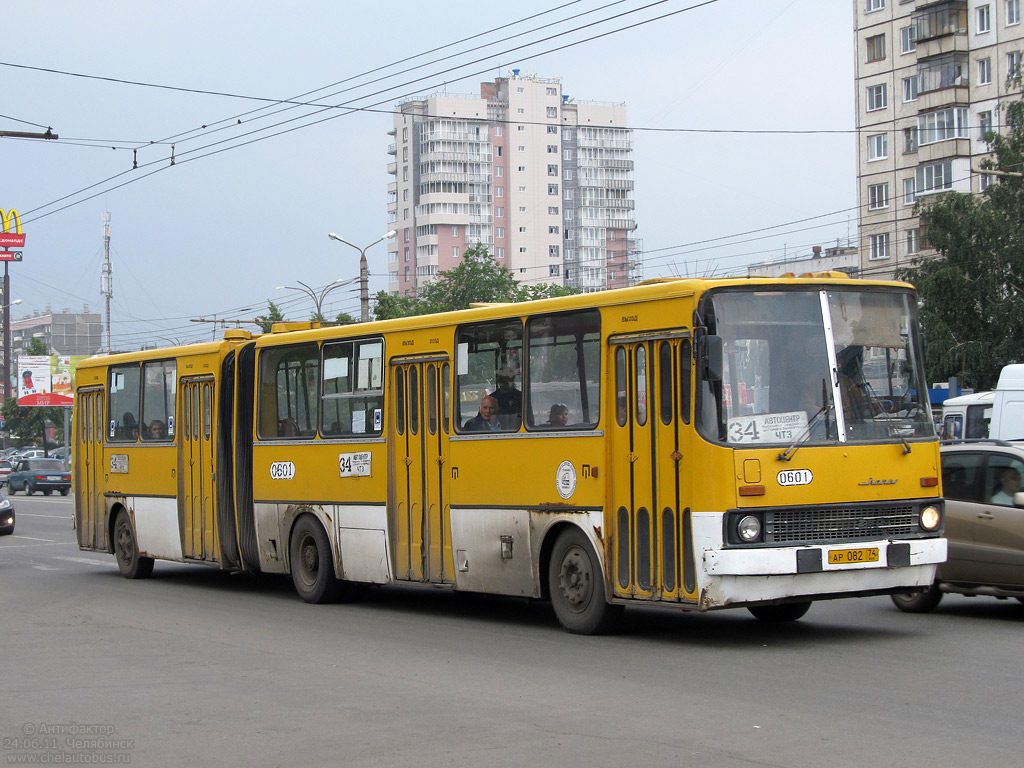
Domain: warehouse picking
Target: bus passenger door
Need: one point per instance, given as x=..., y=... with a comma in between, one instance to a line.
x=88, y=457
x=418, y=451
x=196, y=463
x=653, y=552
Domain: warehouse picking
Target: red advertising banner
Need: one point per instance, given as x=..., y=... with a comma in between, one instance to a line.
x=12, y=238
x=10, y=255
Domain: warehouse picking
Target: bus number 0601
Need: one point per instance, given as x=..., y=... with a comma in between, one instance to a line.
x=282, y=470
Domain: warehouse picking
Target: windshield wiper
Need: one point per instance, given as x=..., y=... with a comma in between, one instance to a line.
x=790, y=452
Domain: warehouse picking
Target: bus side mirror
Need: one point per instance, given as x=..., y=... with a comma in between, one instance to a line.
x=711, y=357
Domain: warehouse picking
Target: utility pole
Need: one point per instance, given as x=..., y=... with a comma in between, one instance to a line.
x=106, y=281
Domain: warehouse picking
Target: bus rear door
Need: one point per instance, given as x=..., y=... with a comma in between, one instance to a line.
x=196, y=462
x=418, y=451
x=88, y=453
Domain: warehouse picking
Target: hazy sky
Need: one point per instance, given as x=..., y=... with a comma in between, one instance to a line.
x=711, y=90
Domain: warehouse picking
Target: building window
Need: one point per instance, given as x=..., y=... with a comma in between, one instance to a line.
x=497, y=130
x=552, y=149
x=499, y=213
x=1013, y=64
x=553, y=270
x=499, y=191
x=455, y=251
x=520, y=128
x=985, y=120
x=553, y=251
x=499, y=171
x=553, y=129
x=522, y=230
x=984, y=71
x=552, y=210
x=552, y=170
x=876, y=97
x=942, y=125
x=567, y=154
x=520, y=111
x=876, y=48
x=878, y=146
x=521, y=168
x=522, y=147
x=879, y=245
x=910, y=88
x=499, y=252
x=878, y=196
x=522, y=209
x=455, y=231
x=908, y=39
x=497, y=151
x=553, y=230
x=934, y=178
x=522, y=189
x=552, y=189
x=873, y=5
x=500, y=233
x=552, y=111
x=913, y=241
x=910, y=140
x=984, y=19
x=567, y=175
x=405, y=214
x=986, y=181
x=909, y=194
x=406, y=254
x=568, y=194
x=1012, y=12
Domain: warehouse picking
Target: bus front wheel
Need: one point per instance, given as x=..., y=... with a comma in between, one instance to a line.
x=131, y=564
x=784, y=612
x=917, y=602
x=312, y=563
x=577, y=586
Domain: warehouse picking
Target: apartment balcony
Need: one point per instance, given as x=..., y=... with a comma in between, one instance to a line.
x=623, y=205
x=392, y=149
x=393, y=169
x=393, y=188
x=943, y=150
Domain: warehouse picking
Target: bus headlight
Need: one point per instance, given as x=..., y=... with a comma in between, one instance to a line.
x=748, y=529
x=930, y=518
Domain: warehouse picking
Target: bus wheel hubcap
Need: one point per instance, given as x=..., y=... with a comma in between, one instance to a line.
x=574, y=578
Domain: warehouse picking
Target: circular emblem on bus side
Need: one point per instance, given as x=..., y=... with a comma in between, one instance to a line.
x=565, y=479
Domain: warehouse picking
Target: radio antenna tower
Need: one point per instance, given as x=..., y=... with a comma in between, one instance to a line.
x=106, y=283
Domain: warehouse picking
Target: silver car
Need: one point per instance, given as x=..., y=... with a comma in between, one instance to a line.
x=984, y=520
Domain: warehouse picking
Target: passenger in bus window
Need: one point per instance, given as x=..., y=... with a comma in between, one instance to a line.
x=510, y=399
x=157, y=430
x=287, y=427
x=559, y=415
x=486, y=419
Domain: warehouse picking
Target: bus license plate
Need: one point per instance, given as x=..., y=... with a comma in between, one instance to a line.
x=849, y=556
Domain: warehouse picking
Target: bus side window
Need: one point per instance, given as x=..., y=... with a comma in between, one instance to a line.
x=485, y=353
x=564, y=386
x=123, y=403
x=288, y=381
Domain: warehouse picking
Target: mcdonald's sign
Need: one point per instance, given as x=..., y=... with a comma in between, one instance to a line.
x=7, y=235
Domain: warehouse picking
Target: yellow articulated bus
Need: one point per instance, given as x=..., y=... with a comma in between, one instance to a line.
x=696, y=444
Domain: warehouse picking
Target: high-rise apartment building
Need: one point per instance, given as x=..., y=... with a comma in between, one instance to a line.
x=543, y=181
x=931, y=78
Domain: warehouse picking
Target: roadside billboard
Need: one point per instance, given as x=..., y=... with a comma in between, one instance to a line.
x=47, y=379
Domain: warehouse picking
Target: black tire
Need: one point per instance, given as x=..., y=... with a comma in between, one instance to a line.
x=65, y=491
x=49, y=492
x=312, y=562
x=576, y=585
x=917, y=602
x=784, y=612
x=29, y=489
x=126, y=550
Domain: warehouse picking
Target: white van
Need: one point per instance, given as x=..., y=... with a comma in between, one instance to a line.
x=967, y=416
x=998, y=414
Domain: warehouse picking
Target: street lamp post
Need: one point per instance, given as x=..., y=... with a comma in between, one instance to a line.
x=7, y=339
x=318, y=298
x=364, y=272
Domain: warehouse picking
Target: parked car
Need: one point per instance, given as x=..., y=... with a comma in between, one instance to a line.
x=984, y=519
x=46, y=475
x=6, y=516
x=5, y=470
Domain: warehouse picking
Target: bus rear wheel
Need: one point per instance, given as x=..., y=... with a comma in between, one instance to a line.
x=784, y=612
x=312, y=563
x=131, y=564
x=577, y=586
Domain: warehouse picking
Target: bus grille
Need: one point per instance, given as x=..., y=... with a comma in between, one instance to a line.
x=840, y=524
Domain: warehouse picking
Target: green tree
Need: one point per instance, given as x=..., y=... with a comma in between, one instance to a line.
x=972, y=293
x=274, y=315
x=28, y=425
x=477, y=279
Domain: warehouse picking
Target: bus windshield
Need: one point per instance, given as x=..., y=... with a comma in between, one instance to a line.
x=817, y=367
